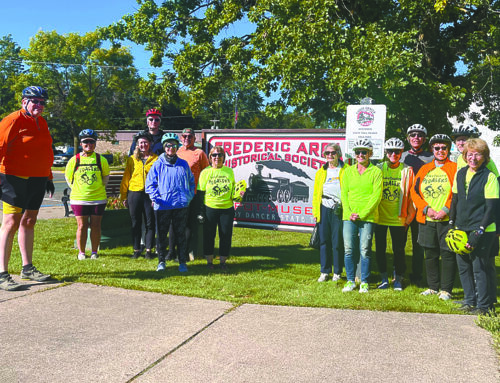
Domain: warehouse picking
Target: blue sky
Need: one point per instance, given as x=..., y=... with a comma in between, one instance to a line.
x=24, y=19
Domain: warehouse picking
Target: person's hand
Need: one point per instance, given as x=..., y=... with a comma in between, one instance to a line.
x=440, y=215
x=354, y=216
x=474, y=238
x=431, y=213
x=50, y=188
x=125, y=203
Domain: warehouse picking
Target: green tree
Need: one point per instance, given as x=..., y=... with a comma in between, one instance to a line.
x=320, y=56
x=10, y=68
x=89, y=86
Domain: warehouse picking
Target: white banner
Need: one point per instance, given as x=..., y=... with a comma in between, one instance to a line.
x=366, y=121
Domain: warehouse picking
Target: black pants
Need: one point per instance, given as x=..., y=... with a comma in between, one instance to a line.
x=190, y=228
x=178, y=219
x=139, y=206
x=223, y=219
x=417, y=260
x=398, y=236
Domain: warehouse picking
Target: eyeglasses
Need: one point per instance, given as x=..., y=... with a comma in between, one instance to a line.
x=440, y=148
x=88, y=142
x=38, y=102
x=187, y=136
x=215, y=155
x=420, y=135
x=330, y=153
x=393, y=151
x=171, y=146
x=363, y=152
x=154, y=119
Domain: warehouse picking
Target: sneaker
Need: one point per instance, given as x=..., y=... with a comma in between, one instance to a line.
x=479, y=311
x=429, y=292
x=465, y=308
x=349, y=286
x=444, y=295
x=81, y=256
x=363, y=288
x=94, y=256
x=183, y=268
x=137, y=254
x=161, y=266
x=336, y=278
x=398, y=286
x=34, y=275
x=8, y=284
x=148, y=255
x=323, y=277
x=384, y=285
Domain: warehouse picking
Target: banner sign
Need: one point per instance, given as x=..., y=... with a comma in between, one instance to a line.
x=279, y=168
x=366, y=121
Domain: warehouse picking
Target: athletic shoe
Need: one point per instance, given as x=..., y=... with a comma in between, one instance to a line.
x=183, y=268
x=336, y=278
x=349, y=286
x=161, y=266
x=94, y=256
x=363, y=288
x=149, y=255
x=8, y=284
x=444, y=295
x=479, y=311
x=384, y=285
x=429, y=292
x=81, y=256
x=398, y=286
x=34, y=275
x=137, y=254
x=465, y=308
x=323, y=277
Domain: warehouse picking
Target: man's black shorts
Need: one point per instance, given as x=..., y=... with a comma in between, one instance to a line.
x=24, y=193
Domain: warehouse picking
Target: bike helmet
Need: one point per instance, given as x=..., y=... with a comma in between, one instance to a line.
x=153, y=112
x=394, y=143
x=241, y=186
x=440, y=138
x=363, y=143
x=169, y=136
x=417, y=128
x=145, y=135
x=35, y=92
x=465, y=130
x=456, y=241
x=87, y=133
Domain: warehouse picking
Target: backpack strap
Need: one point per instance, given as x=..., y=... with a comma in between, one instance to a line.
x=77, y=165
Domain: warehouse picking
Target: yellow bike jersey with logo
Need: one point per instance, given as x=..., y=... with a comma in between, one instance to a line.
x=87, y=186
x=435, y=189
x=218, y=185
x=388, y=209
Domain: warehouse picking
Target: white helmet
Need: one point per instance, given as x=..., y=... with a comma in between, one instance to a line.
x=394, y=143
x=440, y=138
x=417, y=128
x=465, y=130
x=363, y=143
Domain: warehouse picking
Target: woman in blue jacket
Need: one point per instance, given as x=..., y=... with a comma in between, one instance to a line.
x=170, y=185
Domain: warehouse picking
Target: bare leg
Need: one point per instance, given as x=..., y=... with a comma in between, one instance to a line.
x=81, y=232
x=10, y=224
x=95, y=231
x=26, y=236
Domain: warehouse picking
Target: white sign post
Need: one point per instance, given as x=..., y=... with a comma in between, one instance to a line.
x=366, y=121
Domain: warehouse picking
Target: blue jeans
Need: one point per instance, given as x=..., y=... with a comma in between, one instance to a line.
x=330, y=241
x=358, y=242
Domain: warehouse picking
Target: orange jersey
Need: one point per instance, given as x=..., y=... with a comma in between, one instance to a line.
x=197, y=160
x=25, y=146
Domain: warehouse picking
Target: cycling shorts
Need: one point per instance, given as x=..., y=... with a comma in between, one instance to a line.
x=86, y=210
x=22, y=193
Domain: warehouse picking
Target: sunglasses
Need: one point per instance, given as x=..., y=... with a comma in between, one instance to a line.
x=420, y=135
x=440, y=148
x=88, y=142
x=332, y=153
x=171, y=146
x=38, y=102
x=393, y=151
x=215, y=155
x=186, y=136
x=363, y=152
x=154, y=119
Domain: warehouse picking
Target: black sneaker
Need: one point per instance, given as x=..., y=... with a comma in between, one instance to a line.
x=8, y=284
x=34, y=275
x=465, y=308
x=137, y=254
x=149, y=255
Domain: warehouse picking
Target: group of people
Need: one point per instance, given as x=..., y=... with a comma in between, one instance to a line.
x=450, y=208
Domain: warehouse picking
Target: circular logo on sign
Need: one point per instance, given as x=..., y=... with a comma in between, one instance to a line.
x=365, y=116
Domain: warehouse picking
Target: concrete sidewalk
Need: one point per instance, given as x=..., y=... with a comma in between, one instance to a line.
x=87, y=333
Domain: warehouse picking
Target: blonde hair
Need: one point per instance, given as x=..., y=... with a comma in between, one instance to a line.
x=137, y=152
x=477, y=145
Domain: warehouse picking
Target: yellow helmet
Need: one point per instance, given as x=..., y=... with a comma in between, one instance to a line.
x=456, y=241
x=241, y=186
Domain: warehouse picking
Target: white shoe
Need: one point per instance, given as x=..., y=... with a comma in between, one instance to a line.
x=323, y=277
x=81, y=256
x=444, y=295
x=94, y=256
x=336, y=277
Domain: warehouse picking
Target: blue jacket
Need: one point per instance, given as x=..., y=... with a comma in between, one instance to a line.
x=170, y=186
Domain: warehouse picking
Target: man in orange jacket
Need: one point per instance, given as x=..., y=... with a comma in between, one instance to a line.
x=26, y=158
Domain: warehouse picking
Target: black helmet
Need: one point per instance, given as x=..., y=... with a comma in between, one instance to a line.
x=87, y=133
x=35, y=92
x=145, y=135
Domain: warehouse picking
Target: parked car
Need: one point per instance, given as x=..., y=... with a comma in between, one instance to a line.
x=63, y=158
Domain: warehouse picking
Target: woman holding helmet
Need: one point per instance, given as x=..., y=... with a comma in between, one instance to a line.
x=327, y=211
x=475, y=197
x=87, y=173
x=134, y=196
x=395, y=212
x=361, y=192
x=170, y=185
x=431, y=195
